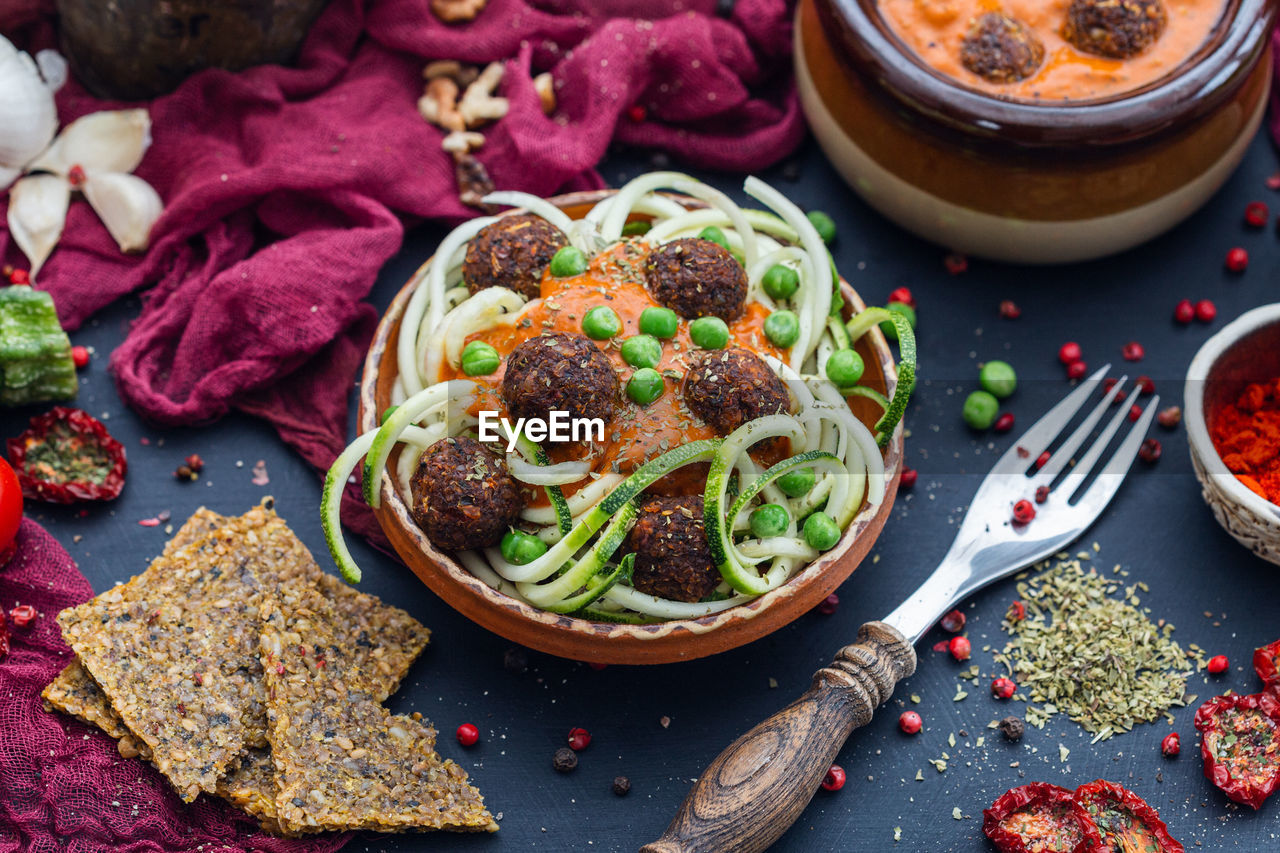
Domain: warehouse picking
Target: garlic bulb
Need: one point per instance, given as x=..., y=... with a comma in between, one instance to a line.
x=28, y=117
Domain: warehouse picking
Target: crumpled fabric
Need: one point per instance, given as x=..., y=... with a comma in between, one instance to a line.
x=63, y=785
x=287, y=188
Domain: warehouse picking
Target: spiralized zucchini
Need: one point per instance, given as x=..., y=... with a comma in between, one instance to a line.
x=584, y=570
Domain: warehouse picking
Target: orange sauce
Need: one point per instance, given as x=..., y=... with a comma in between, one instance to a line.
x=637, y=433
x=934, y=30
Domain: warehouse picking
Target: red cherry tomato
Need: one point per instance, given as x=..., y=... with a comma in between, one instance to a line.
x=10, y=507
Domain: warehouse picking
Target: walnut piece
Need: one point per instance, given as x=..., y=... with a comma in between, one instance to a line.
x=479, y=104
x=462, y=141
x=457, y=11
x=439, y=104
x=546, y=89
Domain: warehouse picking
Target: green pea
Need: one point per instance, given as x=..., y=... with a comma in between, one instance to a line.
x=890, y=330
x=821, y=531
x=845, y=368
x=601, y=323
x=636, y=228
x=769, y=520
x=520, y=548
x=709, y=333
x=715, y=235
x=659, y=322
x=568, y=261
x=645, y=386
x=999, y=378
x=824, y=225
x=782, y=328
x=980, y=410
x=642, y=351
x=479, y=359
x=388, y=412
x=797, y=483
x=780, y=282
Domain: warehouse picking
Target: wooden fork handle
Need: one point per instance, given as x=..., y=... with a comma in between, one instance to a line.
x=755, y=789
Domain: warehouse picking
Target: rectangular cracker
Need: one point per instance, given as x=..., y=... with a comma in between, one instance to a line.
x=342, y=760
x=251, y=788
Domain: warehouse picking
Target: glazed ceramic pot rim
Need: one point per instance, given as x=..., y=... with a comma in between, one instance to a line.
x=1193, y=395
x=1201, y=83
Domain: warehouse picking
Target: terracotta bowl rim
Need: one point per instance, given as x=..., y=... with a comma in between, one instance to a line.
x=469, y=584
x=1206, y=358
x=1192, y=89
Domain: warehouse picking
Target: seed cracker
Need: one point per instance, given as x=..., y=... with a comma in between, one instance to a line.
x=251, y=788
x=342, y=760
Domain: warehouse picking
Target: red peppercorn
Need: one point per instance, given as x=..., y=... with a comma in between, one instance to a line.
x=468, y=734
x=75, y=175
x=1171, y=745
x=579, y=739
x=1042, y=460
x=1003, y=688
x=908, y=479
x=953, y=622
x=80, y=357
x=828, y=605
x=1134, y=412
x=1145, y=385
x=1206, y=311
x=1107, y=385
x=1237, y=260
x=1218, y=664
x=1023, y=511
x=959, y=648
x=910, y=722
x=903, y=295
x=1017, y=611
x=1004, y=423
x=195, y=463
x=19, y=277
x=1256, y=214
x=1150, y=450
x=1042, y=494
x=597, y=666
x=1133, y=351
x=1184, y=312
x=1069, y=352
x=22, y=615
x=1010, y=310
x=834, y=780
x=955, y=263
x=1077, y=370
x=940, y=646
x=637, y=113
x=1170, y=418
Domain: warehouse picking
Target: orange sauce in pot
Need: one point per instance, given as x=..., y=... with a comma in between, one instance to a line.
x=934, y=30
x=636, y=434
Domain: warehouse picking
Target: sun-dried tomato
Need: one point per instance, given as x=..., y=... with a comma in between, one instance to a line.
x=1266, y=661
x=1240, y=745
x=1040, y=818
x=67, y=455
x=1124, y=819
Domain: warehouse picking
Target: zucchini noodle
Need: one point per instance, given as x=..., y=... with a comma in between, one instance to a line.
x=582, y=565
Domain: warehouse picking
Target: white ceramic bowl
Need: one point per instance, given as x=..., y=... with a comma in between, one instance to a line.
x=1247, y=350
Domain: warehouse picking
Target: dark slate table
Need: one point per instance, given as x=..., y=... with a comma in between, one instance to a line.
x=1158, y=528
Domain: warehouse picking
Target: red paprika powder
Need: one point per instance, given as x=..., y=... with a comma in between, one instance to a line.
x=1246, y=435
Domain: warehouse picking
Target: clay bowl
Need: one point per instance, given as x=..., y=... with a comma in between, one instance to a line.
x=1028, y=181
x=580, y=639
x=1246, y=351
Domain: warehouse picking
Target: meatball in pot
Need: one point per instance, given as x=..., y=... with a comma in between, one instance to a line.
x=697, y=278
x=1117, y=29
x=727, y=388
x=513, y=253
x=1000, y=49
x=463, y=496
x=673, y=559
x=560, y=371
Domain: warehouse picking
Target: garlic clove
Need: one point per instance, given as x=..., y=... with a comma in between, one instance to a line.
x=37, y=211
x=127, y=205
x=8, y=176
x=110, y=141
x=53, y=68
x=28, y=117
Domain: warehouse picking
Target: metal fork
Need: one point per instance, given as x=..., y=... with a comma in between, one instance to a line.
x=760, y=784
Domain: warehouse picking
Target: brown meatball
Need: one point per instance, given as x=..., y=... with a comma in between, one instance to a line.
x=1000, y=49
x=463, y=496
x=697, y=278
x=512, y=253
x=727, y=388
x=561, y=371
x=1117, y=29
x=673, y=559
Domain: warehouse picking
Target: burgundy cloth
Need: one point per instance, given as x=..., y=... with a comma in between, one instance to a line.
x=63, y=785
x=286, y=188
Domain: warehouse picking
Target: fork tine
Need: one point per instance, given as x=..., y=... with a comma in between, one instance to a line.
x=1108, y=482
x=1037, y=439
x=1058, y=461
x=1072, y=482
